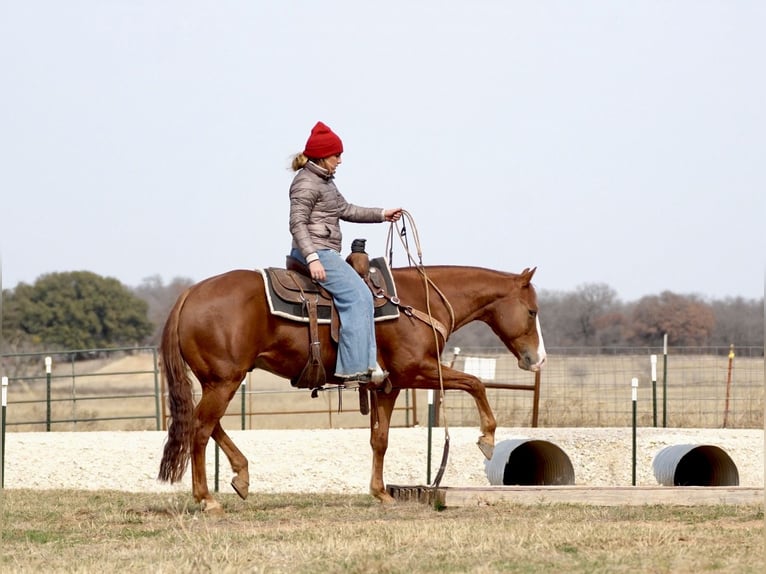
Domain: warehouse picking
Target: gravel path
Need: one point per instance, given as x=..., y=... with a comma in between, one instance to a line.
x=340, y=460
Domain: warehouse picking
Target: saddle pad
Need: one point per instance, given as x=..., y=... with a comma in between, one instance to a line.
x=296, y=312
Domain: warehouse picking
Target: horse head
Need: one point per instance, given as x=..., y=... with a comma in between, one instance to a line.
x=514, y=318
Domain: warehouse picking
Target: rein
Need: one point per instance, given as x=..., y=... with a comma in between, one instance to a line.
x=434, y=323
x=409, y=310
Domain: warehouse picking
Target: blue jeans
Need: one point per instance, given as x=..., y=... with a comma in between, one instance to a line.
x=357, y=351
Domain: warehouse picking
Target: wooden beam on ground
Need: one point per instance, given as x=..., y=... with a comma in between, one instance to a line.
x=446, y=497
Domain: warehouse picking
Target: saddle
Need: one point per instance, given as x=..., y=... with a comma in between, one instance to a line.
x=293, y=289
x=294, y=295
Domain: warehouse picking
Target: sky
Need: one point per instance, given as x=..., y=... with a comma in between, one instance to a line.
x=616, y=143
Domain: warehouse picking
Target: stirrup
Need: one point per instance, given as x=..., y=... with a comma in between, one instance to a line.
x=378, y=375
x=375, y=377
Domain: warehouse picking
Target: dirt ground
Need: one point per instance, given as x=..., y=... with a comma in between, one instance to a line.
x=339, y=460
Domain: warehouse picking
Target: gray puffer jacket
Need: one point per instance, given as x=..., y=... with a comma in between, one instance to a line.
x=316, y=208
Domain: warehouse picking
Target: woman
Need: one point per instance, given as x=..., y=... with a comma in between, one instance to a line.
x=316, y=208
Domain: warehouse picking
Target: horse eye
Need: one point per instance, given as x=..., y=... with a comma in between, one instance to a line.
x=532, y=313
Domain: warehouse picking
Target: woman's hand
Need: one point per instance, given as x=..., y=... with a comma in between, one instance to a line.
x=317, y=270
x=393, y=214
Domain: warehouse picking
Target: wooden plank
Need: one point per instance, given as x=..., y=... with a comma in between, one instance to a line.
x=596, y=496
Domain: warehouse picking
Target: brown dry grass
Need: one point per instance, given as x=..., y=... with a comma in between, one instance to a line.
x=76, y=531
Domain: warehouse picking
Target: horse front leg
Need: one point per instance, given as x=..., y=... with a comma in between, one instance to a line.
x=487, y=419
x=380, y=423
x=458, y=380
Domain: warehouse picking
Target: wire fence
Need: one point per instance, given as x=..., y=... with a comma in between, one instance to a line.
x=120, y=389
x=700, y=387
x=83, y=389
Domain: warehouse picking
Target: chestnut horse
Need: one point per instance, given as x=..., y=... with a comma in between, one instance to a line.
x=221, y=328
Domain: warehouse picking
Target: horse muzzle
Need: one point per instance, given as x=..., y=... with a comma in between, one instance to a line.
x=532, y=361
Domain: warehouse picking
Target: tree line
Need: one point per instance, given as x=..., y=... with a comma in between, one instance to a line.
x=593, y=316
x=82, y=310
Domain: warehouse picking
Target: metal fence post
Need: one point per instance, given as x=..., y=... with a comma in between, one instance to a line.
x=217, y=466
x=728, y=386
x=430, y=430
x=634, y=397
x=665, y=381
x=654, y=389
x=243, y=386
x=2, y=432
x=48, y=364
x=157, y=392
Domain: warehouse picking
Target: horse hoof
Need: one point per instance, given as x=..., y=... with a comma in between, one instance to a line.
x=384, y=498
x=486, y=449
x=211, y=507
x=388, y=502
x=241, y=487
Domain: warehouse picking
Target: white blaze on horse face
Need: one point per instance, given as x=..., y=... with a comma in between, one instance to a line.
x=540, y=345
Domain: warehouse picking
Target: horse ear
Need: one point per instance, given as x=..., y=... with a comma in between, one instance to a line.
x=527, y=274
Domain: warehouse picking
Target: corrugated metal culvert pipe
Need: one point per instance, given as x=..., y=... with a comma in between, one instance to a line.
x=529, y=462
x=695, y=465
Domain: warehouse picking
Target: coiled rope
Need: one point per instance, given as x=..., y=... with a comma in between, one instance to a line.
x=408, y=219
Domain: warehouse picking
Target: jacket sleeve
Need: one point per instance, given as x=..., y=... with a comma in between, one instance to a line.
x=357, y=214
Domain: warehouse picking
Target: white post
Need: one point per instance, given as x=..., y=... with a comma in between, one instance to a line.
x=430, y=430
x=653, y=358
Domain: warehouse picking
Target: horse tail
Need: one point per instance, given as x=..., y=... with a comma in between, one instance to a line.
x=175, y=457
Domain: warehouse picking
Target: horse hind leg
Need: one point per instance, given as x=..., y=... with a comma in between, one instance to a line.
x=211, y=407
x=241, y=481
x=380, y=423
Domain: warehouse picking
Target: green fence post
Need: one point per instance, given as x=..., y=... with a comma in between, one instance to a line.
x=217, y=466
x=158, y=414
x=407, y=408
x=634, y=397
x=665, y=381
x=654, y=389
x=48, y=364
x=2, y=433
x=244, y=382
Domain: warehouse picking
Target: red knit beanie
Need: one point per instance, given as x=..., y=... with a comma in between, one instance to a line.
x=322, y=143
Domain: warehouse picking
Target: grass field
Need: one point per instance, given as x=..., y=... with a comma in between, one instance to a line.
x=105, y=531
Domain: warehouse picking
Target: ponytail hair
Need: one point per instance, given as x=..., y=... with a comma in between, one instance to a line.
x=299, y=160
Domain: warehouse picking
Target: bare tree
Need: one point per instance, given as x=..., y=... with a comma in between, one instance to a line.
x=589, y=316
x=686, y=319
x=738, y=322
x=160, y=298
